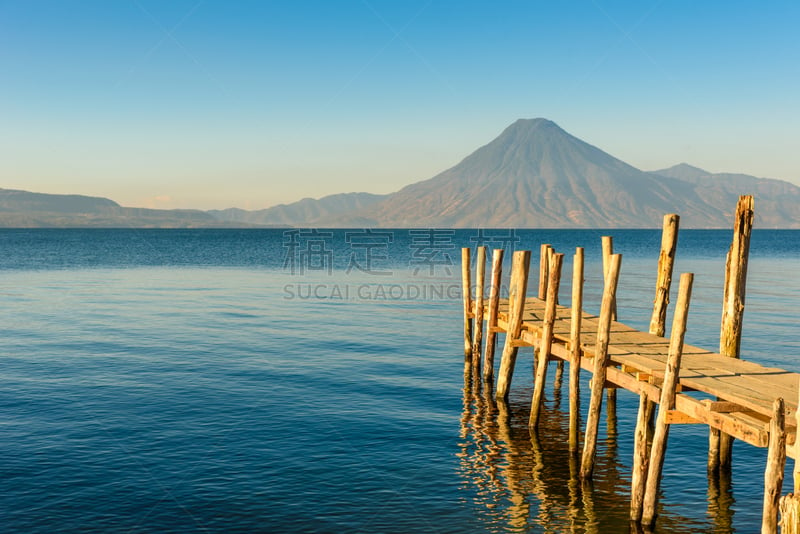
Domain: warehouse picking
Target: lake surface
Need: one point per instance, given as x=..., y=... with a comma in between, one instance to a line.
x=296, y=381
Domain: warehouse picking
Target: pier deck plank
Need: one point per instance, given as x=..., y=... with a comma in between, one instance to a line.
x=746, y=389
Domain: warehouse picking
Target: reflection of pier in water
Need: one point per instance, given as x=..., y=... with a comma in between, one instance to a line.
x=526, y=481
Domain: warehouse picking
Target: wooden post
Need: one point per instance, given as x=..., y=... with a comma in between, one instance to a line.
x=773, y=474
x=600, y=363
x=545, y=251
x=641, y=452
x=733, y=300
x=641, y=457
x=466, y=280
x=491, y=320
x=713, y=450
x=667, y=401
x=545, y=344
x=544, y=264
x=608, y=251
x=790, y=504
x=477, y=335
x=516, y=304
x=576, y=316
x=666, y=260
x=611, y=393
x=559, y=378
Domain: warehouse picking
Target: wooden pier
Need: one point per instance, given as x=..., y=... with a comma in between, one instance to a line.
x=736, y=399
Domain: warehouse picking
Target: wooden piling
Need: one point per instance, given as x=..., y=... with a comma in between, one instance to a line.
x=559, y=377
x=544, y=265
x=516, y=303
x=790, y=504
x=658, y=319
x=466, y=280
x=491, y=320
x=666, y=260
x=600, y=363
x=575, y=349
x=641, y=457
x=477, y=334
x=611, y=393
x=608, y=251
x=667, y=401
x=545, y=254
x=553, y=282
x=733, y=300
x=773, y=474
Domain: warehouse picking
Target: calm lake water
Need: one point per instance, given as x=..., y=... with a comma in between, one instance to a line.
x=296, y=381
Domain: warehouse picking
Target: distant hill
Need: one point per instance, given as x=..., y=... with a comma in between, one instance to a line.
x=306, y=212
x=777, y=202
x=23, y=209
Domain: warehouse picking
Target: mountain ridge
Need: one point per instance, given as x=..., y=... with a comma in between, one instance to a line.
x=532, y=175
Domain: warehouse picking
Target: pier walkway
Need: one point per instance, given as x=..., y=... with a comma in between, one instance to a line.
x=735, y=398
x=745, y=390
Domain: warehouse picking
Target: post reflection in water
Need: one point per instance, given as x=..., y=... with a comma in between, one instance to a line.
x=528, y=482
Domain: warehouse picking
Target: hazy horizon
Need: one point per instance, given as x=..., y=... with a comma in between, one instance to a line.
x=212, y=105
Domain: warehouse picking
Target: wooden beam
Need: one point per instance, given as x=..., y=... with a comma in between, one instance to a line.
x=675, y=417
x=725, y=407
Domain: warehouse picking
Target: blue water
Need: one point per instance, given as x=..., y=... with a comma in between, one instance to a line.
x=254, y=380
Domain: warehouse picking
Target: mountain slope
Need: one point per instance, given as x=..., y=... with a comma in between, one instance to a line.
x=777, y=202
x=537, y=175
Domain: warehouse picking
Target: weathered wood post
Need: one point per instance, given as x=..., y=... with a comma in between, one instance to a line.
x=666, y=261
x=611, y=393
x=516, y=304
x=773, y=474
x=641, y=457
x=466, y=281
x=545, y=252
x=732, y=314
x=600, y=363
x=491, y=320
x=544, y=265
x=790, y=504
x=641, y=452
x=546, y=341
x=667, y=401
x=576, y=316
x=477, y=334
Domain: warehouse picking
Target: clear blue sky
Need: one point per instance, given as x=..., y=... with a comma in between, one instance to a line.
x=219, y=103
